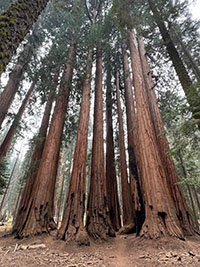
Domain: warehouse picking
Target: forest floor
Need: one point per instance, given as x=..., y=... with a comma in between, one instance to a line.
x=122, y=251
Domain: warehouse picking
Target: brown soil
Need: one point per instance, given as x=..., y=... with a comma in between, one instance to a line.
x=122, y=251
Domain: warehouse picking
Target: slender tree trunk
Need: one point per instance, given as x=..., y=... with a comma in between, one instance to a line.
x=128, y=208
x=61, y=195
x=9, y=91
x=161, y=218
x=187, y=53
x=17, y=204
x=193, y=205
x=196, y=197
x=13, y=128
x=15, y=76
x=72, y=227
x=185, y=175
x=133, y=146
x=16, y=22
x=8, y=184
x=190, y=91
x=111, y=179
x=39, y=212
x=171, y=174
x=35, y=162
x=98, y=221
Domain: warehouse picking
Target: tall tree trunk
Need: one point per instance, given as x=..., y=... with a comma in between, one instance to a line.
x=15, y=76
x=17, y=201
x=13, y=128
x=190, y=91
x=127, y=204
x=133, y=146
x=8, y=184
x=98, y=221
x=16, y=22
x=160, y=211
x=196, y=197
x=185, y=175
x=35, y=162
x=9, y=91
x=111, y=179
x=72, y=227
x=170, y=169
x=39, y=212
x=187, y=53
x=60, y=200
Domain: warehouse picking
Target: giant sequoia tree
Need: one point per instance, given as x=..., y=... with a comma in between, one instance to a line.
x=127, y=203
x=35, y=161
x=111, y=177
x=161, y=217
x=39, y=213
x=98, y=221
x=72, y=224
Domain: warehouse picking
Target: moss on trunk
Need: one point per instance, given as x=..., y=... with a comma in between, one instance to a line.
x=15, y=23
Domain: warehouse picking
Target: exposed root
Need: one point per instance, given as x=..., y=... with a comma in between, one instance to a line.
x=100, y=231
x=82, y=238
x=127, y=229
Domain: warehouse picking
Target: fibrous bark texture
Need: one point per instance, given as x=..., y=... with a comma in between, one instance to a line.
x=133, y=149
x=13, y=128
x=98, y=222
x=15, y=23
x=176, y=192
x=72, y=224
x=160, y=211
x=111, y=179
x=191, y=92
x=127, y=203
x=9, y=91
x=39, y=213
x=35, y=161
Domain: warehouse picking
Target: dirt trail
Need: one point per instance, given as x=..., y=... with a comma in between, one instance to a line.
x=122, y=251
x=118, y=255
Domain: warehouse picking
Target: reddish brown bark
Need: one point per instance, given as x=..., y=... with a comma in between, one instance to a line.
x=98, y=222
x=35, y=161
x=13, y=128
x=160, y=211
x=171, y=174
x=72, y=227
x=128, y=208
x=111, y=179
x=133, y=149
x=9, y=91
x=39, y=213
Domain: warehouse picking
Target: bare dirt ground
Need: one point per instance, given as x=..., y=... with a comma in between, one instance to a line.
x=122, y=251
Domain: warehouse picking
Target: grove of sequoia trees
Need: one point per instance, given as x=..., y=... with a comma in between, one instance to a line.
x=98, y=71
